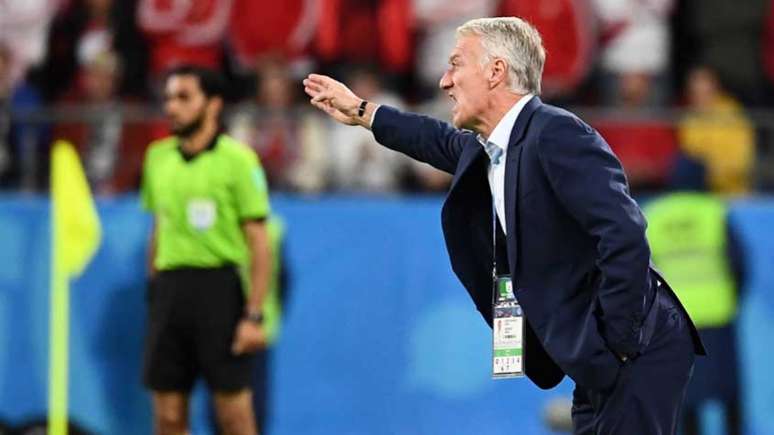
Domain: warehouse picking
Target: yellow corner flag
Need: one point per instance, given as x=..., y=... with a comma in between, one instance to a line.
x=75, y=237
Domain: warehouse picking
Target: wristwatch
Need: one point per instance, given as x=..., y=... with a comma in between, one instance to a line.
x=255, y=317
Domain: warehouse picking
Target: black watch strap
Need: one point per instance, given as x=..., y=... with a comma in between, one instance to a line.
x=255, y=317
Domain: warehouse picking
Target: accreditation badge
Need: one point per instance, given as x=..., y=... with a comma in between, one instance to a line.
x=507, y=331
x=202, y=213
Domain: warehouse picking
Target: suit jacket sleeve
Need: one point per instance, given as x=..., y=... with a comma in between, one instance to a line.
x=589, y=182
x=420, y=137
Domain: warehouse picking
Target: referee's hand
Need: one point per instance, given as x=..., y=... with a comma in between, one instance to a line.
x=248, y=338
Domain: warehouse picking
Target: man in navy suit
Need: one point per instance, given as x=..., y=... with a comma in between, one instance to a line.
x=570, y=234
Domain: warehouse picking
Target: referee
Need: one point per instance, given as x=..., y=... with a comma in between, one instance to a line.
x=209, y=198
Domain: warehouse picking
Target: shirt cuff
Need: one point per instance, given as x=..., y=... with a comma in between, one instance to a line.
x=373, y=116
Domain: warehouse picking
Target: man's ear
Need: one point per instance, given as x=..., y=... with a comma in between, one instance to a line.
x=215, y=106
x=498, y=73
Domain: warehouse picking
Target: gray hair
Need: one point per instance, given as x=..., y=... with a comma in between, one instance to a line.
x=515, y=41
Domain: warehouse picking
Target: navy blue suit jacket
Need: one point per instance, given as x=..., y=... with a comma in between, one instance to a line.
x=575, y=242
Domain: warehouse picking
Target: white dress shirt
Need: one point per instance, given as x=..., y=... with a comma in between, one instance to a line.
x=500, y=136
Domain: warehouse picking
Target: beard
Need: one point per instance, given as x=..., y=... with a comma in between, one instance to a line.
x=185, y=131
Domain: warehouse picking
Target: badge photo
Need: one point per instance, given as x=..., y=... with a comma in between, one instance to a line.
x=202, y=213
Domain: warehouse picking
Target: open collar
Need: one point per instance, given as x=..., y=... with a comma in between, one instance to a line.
x=210, y=146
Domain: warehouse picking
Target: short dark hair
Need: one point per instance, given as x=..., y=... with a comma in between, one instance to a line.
x=210, y=81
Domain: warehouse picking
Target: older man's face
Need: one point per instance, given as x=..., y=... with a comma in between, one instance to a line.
x=465, y=82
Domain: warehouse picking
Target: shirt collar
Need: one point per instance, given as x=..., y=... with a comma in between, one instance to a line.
x=210, y=146
x=501, y=134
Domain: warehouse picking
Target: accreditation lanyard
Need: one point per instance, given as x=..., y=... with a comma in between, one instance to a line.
x=508, y=320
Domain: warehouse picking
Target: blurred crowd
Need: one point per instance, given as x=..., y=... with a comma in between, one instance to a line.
x=679, y=88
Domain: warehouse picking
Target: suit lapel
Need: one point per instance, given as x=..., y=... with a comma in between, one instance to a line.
x=512, y=176
x=469, y=156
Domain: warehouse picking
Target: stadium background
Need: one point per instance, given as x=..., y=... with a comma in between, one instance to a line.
x=378, y=337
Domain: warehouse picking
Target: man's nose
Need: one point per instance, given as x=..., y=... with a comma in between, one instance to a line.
x=170, y=108
x=445, y=82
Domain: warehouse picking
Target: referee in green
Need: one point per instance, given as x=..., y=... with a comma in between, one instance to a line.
x=209, y=198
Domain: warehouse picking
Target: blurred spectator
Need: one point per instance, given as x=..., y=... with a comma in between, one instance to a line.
x=22, y=140
x=260, y=28
x=88, y=27
x=694, y=244
x=357, y=162
x=725, y=36
x=23, y=30
x=567, y=29
x=436, y=23
x=184, y=32
x=635, y=41
x=99, y=138
x=717, y=134
x=366, y=31
x=688, y=174
x=104, y=137
x=644, y=143
x=768, y=44
x=289, y=141
x=763, y=173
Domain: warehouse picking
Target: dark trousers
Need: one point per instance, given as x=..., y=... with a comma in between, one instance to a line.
x=648, y=394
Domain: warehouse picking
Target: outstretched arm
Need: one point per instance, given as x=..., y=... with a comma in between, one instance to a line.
x=420, y=137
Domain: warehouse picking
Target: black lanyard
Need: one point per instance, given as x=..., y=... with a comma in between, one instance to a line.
x=494, y=250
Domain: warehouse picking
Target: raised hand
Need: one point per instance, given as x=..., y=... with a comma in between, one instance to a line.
x=335, y=99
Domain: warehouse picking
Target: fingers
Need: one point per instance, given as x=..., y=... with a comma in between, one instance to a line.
x=312, y=89
x=315, y=85
x=247, y=339
x=329, y=95
x=321, y=79
x=317, y=91
x=310, y=92
x=322, y=96
x=243, y=345
x=314, y=94
x=238, y=346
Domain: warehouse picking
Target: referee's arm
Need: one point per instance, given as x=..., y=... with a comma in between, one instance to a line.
x=250, y=336
x=252, y=199
x=260, y=263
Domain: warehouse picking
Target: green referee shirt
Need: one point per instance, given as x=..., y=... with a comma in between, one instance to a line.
x=200, y=202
